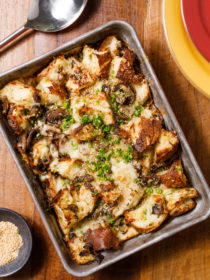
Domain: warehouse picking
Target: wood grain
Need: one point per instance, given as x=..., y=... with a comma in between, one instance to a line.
x=183, y=256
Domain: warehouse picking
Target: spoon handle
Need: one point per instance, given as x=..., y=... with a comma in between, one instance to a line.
x=14, y=37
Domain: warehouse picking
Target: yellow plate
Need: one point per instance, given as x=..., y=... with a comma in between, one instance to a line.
x=192, y=64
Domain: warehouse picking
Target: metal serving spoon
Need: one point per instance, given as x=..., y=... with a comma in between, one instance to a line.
x=47, y=16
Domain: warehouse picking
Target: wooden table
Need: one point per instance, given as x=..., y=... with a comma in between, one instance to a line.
x=183, y=256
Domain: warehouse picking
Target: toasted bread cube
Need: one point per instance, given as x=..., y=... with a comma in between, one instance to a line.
x=173, y=177
x=20, y=94
x=71, y=206
x=92, y=104
x=122, y=69
x=182, y=207
x=144, y=130
x=79, y=252
x=53, y=184
x=40, y=149
x=166, y=146
x=150, y=214
x=96, y=62
x=77, y=244
x=112, y=44
x=51, y=93
x=123, y=231
x=108, y=193
x=17, y=119
x=55, y=71
x=176, y=199
x=67, y=168
x=146, y=159
x=142, y=92
x=78, y=77
x=130, y=191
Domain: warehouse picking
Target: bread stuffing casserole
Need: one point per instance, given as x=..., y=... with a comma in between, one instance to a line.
x=88, y=128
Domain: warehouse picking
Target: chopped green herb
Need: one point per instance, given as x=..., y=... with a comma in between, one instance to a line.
x=97, y=121
x=85, y=119
x=66, y=104
x=161, y=169
x=159, y=191
x=67, y=121
x=90, y=144
x=149, y=191
x=138, y=111
x=137, y=180
x=119, y=152
x=128, y=155
x=145, y=213
x=111, y=219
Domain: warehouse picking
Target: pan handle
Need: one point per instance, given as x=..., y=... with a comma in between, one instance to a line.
x=14, y=37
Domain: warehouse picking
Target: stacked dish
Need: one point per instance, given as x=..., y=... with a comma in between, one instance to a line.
x=186, y=47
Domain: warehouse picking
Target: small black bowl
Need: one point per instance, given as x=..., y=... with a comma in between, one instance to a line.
x=8, y=215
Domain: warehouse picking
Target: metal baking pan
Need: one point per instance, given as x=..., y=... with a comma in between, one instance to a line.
x=125, y=32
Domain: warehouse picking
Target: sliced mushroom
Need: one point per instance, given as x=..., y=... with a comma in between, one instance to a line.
x=36, y=97
x=31, y=136
x=36, y=111
x=86, y=178
x=22, y=142
x=157, y=209
x=43, y=164
x=124, y=94
x=106, y=89
x=5, y=105
x=56, y=115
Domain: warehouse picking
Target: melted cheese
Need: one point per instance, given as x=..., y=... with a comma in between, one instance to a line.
x=124, y=175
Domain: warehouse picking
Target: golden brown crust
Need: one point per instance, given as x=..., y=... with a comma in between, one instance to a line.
x=166, y=146
x=45, y=72
x=150, y=132
x=174, y=176
x=104, y=63
x=150, y=214
x=182, y=207
x=16, y=119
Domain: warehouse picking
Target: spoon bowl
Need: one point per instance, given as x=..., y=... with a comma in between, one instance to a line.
x=54, y=15
x=47, y=16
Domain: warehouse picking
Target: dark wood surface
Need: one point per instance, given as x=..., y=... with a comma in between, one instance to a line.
x=183, y=256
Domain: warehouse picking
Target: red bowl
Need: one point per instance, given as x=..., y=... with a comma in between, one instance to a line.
x=196, y=18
